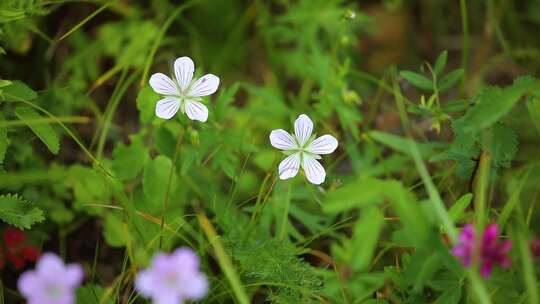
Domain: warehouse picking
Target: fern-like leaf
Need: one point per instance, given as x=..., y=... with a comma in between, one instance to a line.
x=18, y=212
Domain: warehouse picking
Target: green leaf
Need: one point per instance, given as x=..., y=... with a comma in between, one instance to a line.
x=45, y=132
x=455, y=106
x=128, y=161
x=440, y=63
x=533, y=105
x=18, y=212
x=502, y=144
x=89, y=187
x=363, y=192
x=458, y=208
x=365, y=237
x=450, y=296
x=450, y=80
x=114, y=231
x=493, y=103
x=156, y=179
x=417, y=80
x=4, y=141
x=91, y=294
x=146, y=103
x=401, y=144
x=18, y=90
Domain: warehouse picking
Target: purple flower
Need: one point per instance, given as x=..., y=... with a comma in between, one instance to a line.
x=489, y=251
x=52, y=282
x=172, y=278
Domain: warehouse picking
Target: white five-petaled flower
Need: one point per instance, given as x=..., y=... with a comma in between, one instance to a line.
x=303, y=150
x=183, y=92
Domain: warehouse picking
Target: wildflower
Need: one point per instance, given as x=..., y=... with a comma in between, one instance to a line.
x=490, y=251
x=535, y=248
x=52, y=281
x=18, y=251
x=173, y=278
x=303, y=150
x=183, y=92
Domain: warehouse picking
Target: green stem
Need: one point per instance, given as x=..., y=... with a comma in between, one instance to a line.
x=68, y=131
x=169, y=182
x=38, y=121
x=109, y=114
x=465, y=52
x=85, y=20
x=159, y=37
x=481, y=189
x=224, y=261
x=284, y=221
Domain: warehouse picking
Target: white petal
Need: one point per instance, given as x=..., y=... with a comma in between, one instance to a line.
x=196, y=110
x=183, y=70
x=314, y=170
x=205, y=86
x=167, y=107
x=163, y=85
x=303, y=126
x=288, y=167
x=325, y=144
x=281, y=139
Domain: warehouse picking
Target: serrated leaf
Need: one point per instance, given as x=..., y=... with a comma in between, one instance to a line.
x=146, y=103
x=18, y=90
x=533, y=106
x=18, y=212
x=114, y=231
x=156, y=179
x=450, y=80
x=128, y=161
x=417, y=80
x=45, y=132
x=4, y=141
x=440, y=63
x=502, y=144
x=89, y=187
x=493, y=103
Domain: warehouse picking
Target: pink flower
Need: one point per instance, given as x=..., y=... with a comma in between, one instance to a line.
x=490, y=252
x=173, y=278
x=52, y=282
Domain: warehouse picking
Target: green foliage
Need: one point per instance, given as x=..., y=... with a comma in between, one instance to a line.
x=491, y=104
x=128, y=161
x=413, y=121
x=45, y=132
x=4, y=141
x=20, y=213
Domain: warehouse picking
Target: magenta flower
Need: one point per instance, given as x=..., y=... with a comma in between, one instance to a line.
x=173, y=278
x=489, y=251
x=52, y=282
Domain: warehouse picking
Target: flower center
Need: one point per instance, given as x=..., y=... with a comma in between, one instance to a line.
x=53, y=291
x=171, y=280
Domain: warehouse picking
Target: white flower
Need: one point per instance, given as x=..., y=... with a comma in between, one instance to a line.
x=183, y=92
x=303, y=150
